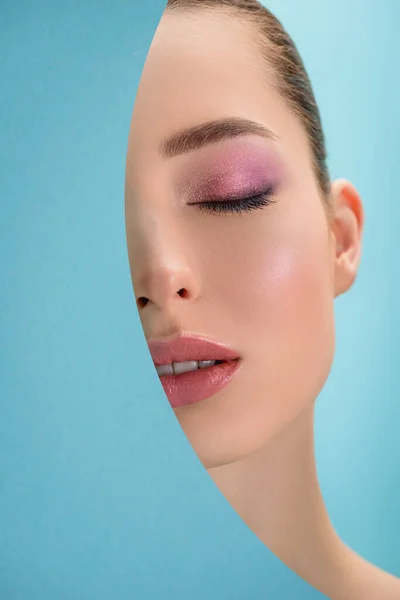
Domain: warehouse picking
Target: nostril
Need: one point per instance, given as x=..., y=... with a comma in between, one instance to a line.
x=142, y=301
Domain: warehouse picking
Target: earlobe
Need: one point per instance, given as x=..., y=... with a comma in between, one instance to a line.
x=347, y=228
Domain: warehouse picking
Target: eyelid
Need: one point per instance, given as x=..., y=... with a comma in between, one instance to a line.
x=249, y=195
x=244, y=203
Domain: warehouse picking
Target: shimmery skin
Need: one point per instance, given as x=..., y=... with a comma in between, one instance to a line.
x=232, y=169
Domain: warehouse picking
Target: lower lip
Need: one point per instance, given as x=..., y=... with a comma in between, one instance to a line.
x=194, y=386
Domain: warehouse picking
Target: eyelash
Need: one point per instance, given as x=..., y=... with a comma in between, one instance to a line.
x=238, y=205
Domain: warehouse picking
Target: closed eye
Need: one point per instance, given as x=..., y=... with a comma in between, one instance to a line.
x=238, y=205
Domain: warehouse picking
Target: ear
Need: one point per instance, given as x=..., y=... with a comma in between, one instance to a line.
x=347, y=224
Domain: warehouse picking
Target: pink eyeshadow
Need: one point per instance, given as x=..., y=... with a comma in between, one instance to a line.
x=241, y=166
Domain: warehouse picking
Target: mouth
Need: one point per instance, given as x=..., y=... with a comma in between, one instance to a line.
x=192, y=368
x=178, y=368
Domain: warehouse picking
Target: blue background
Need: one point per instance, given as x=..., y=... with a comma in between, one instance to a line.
x=101, y=495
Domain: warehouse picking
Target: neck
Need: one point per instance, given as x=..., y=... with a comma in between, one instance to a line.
x=277, y=494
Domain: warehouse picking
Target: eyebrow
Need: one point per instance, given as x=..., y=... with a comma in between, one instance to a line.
x=211, y=132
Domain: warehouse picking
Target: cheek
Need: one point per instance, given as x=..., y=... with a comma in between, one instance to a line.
x=283, y=302
x=275, y=278
x=296, y=340
x=296, y=284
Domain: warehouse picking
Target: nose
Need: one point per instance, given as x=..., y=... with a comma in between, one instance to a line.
x=164, y=283
x=162, y=269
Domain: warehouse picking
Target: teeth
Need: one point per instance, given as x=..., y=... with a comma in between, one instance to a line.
x=183, y=367
x=165, y=370
x=177, y=368
x=203, y=364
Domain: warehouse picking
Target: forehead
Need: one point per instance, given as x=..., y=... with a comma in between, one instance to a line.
x=203, y=66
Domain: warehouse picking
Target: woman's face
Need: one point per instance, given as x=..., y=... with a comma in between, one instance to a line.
x=261, y=280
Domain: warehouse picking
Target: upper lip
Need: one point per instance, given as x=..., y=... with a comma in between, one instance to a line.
x=184, y=348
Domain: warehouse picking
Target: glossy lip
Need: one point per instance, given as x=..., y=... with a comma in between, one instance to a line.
x=189, y=388
x=188, y=347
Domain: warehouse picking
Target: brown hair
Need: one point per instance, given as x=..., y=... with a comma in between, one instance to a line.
x=290, y=74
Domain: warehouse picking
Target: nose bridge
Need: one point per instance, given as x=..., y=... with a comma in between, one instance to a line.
x=161, y=262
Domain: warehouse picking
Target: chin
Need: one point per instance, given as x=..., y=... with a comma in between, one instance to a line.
x=220, y=440
x=226, y=443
